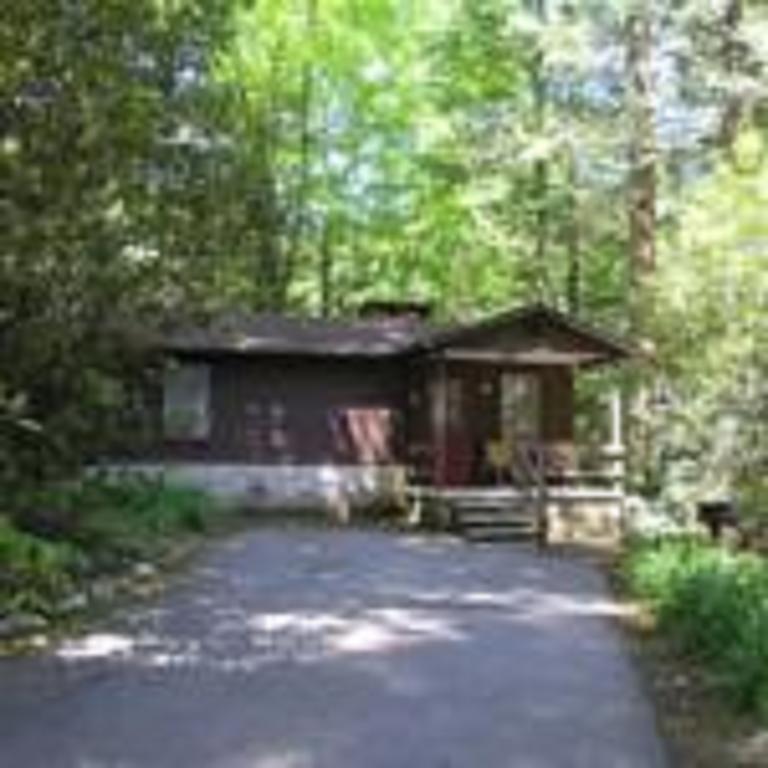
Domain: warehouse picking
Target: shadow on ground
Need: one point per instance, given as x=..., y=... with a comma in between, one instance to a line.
x=348, y=650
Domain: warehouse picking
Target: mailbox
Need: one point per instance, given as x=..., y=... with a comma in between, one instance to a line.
x=716, y=515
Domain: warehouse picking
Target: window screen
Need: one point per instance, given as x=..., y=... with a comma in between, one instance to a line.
x=186, y=401
x=520, y=406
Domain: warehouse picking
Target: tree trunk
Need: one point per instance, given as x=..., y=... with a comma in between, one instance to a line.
x=265, y=218
x=299, y=219
x=641, y=212
x=573, y=277
x=541, y=166
x=733, y=54
x=326, y=271
x=642, y=150
x=541, y=171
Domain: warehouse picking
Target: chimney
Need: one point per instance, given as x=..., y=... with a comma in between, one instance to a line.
x=395, y=312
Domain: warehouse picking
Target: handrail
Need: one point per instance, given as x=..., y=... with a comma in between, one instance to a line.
x=531, y=458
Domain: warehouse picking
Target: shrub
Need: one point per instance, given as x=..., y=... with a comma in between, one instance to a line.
x=64, y=533
x=132, y=516
x=714, y=603
x=34, y=572
x=113, y=517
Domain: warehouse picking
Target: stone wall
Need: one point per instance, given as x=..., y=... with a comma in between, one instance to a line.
x=334, y=489
x=583, y=515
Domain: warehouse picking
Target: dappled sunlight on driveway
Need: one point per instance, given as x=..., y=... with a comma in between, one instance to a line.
x=306, y=649
x=237, y=639
x=243, y=643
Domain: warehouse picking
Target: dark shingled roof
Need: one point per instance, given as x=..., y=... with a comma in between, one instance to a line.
x=381, y=337
x=533, y=323
x=284, y=334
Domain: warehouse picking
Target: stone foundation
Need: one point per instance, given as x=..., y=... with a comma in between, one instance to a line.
x=582, y=515
x=334, y=489
x=578, y=515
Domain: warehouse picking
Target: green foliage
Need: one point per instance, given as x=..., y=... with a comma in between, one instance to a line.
x=117, y=519
x=97, y=217
x=715, y=604
x=711, y=290
x=33, y=572
x=62, y=535
x=164, y=158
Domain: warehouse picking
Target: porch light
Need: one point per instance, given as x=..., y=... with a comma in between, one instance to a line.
x=661, y=399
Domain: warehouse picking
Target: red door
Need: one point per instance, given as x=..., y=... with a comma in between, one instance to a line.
x=454, y=448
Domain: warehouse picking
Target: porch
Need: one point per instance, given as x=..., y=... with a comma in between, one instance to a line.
x=491, y=443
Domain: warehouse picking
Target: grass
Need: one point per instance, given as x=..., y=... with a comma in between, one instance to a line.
x=713, y=605
x=56, y=539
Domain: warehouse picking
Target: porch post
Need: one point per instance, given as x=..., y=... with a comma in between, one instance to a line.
x=441, y=427
x=617, y=426
x=614, y=451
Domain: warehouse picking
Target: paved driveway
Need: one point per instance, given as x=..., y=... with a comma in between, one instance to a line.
x=299, y=648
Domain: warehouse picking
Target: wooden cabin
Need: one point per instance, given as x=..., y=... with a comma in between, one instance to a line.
x=298, y=412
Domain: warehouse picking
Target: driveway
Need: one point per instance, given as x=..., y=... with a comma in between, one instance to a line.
x=332, y=649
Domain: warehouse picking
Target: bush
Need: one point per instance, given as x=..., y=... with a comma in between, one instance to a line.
x=112, y=517
x=134, y=517
x=714, y=603
x=62, y=534
x=34, y=572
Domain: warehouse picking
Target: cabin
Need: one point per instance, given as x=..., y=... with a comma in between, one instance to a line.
x=385, y=409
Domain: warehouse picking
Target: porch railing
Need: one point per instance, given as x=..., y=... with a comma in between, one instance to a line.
x=530, y=464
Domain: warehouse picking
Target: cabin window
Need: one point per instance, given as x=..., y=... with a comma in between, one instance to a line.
x=186, y=401
x=363, y=435
x=520, y=406
x=367, y=434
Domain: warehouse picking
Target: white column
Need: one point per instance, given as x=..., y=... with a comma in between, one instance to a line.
x=617, y=419
x=615, y=452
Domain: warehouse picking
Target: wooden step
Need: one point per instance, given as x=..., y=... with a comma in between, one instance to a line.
x=516, y=524
x=488, y=509
x=500, y=533
x=491, y=502
x=492, y=516
x=507, y=517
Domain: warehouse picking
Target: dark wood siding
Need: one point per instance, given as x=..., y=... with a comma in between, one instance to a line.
x=557, y=405
x=295, y=410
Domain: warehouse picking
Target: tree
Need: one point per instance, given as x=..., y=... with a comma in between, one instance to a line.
x=305, y=155
x=98, y=221
x=642, y=144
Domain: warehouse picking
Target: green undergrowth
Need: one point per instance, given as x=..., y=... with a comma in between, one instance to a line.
x=57, y=539
x=713, y=604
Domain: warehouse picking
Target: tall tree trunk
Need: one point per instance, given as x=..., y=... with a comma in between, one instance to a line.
x=264, y=209
x=326, y=270
x=265, y=218
x=301, y=196
x=541, y=166
x=573, y=276
x=641, y=212
x=642, y=150
x=733, y=53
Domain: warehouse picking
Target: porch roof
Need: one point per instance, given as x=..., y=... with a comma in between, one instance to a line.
x=534, y=335
x=273, y=334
